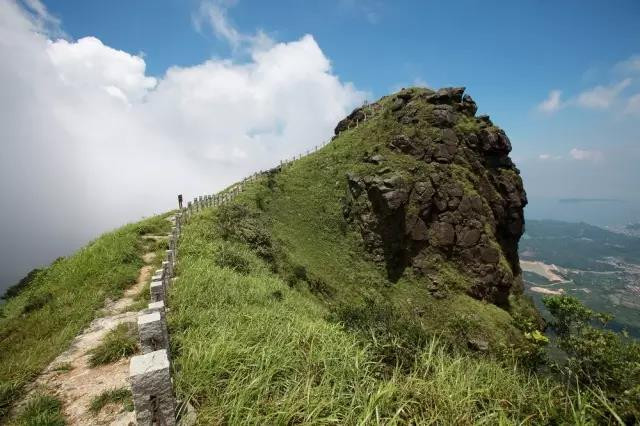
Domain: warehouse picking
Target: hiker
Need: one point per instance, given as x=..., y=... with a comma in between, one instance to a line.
x=180, y=201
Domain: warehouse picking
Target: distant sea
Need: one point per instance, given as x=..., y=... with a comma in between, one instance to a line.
x=595, y=211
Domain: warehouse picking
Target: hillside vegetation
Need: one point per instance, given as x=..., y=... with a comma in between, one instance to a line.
x=327, y=292
x=255, y=347
x=46, y=311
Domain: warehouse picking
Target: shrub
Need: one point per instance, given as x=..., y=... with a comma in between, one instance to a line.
x=395, y=339
x=229, y=256
x=601, y=359
x=36, y=301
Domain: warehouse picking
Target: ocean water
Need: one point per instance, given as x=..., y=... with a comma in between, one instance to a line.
x=603, y=213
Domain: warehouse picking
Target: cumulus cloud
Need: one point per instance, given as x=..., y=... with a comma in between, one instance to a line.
x=91, y=141
x=585, y=155
x=601, y=97
x=88, y=65
x=633, y=104
x=552, y=103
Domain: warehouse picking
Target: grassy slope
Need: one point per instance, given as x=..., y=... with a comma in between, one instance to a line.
x=249, y=348
x=279, y=318
x=302, y=208
x=40, y=322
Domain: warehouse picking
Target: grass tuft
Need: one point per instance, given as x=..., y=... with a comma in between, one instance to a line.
x=41, y=410
x=120, y=396
x=118, y=343
x=63, y=367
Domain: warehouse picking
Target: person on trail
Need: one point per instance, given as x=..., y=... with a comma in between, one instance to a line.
x=180, y=201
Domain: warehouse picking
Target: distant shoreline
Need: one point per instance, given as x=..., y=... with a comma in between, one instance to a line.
x=550, y=272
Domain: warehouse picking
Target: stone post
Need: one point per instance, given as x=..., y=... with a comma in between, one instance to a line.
x=151, y=388
x=156, y=306
x=165, y=273
x=156, y=289
x=172, y=262
x=152, y=330
x=170, y=242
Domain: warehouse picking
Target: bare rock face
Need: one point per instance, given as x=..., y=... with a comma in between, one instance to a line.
x=462, y=203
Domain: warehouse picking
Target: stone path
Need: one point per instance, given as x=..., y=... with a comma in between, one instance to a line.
x=77, y=386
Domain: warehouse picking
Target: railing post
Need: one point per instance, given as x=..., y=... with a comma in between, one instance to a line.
x=157, y=287
x=151, y=388
x=152, y=330
x=171, y=261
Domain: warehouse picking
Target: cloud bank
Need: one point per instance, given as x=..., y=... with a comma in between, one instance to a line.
x=91, y=141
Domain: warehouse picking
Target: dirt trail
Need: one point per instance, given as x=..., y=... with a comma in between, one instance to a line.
x=79, y=384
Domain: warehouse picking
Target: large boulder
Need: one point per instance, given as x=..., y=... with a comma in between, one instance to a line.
x=461, y=201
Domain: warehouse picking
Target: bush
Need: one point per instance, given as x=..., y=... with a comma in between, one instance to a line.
x=395, y=339
x=605, y=361
x=229, y=256
x=118, y=343
x=236, y=222
x=36, y=301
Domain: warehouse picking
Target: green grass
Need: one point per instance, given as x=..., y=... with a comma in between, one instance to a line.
x=59, y=301
x=118, y=343
x=300, y=209
x=280, y=317
x=63, y=367
x=251, y=348
x=121, y=396
x=40, y=410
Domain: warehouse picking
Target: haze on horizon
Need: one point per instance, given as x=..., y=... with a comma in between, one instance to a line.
x=111, y=109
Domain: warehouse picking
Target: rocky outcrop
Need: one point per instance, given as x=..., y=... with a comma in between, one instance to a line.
x=461, y=202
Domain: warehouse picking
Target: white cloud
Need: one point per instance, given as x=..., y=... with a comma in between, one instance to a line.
x=371, y=10
x=601, y=97
x=90, y=141
x=87, y=64
x=552, y=103
x=633, y=104
x=213, y=14
x=629, y=66
x=585, y=155
x=548, y=157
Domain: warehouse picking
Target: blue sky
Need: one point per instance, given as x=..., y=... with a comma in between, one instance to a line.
x=509, y=55
x=116, y=106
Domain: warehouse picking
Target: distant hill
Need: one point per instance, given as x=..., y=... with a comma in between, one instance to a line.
x=576, y=245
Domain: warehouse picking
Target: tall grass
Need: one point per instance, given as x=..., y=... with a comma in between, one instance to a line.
x=118, y=343
x=251, y=349
x=42, y=319
x=40, y=410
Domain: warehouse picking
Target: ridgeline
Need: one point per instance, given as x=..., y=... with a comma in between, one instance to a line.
x=373, y=281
